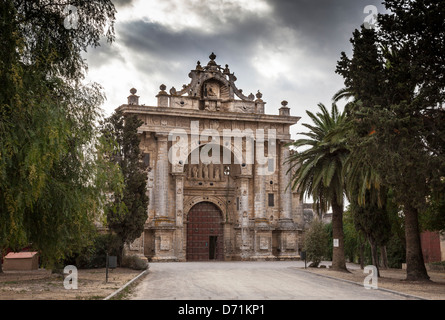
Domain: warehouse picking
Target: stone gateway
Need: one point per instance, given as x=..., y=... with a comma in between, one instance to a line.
x=217, y=182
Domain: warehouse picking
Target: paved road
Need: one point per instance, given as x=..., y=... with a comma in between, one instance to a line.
x=247, y=281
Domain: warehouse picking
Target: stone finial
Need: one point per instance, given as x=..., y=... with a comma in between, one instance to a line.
x=162, y=87
x=284, y=110
x=259, y=103
x=198, y=66
x=163, y=98
x=226, y=69
x=133, y=99
x=212, y=62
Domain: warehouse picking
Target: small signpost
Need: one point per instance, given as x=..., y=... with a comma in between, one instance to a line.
x=303, y=256
x=110, y=263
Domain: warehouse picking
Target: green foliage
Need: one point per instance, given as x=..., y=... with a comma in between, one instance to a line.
x=396, y=251
x=127, y=213
x=434, y=217
x=396, y=77
x=52, y=185
x=94, y=255
x=315, y=240
x=353, y=239
x=318, y=169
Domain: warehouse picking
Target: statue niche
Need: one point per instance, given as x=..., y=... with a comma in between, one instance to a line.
x=205, y=172
x=211, y=90
x=211, y=95
x=211, y=170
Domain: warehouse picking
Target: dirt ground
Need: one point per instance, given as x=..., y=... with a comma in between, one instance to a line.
x=44, y=285
x=394, y=279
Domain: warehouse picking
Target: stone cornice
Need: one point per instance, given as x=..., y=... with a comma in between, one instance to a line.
x=189, y=113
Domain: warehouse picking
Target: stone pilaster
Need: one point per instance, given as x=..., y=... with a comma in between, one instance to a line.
x=179, y=201
x=162, y=177
x=285, y=189
x=164, y=229
x=286, y=231
x=260, y=194
x=262, y=233
x=243, y=216
x=179, y=212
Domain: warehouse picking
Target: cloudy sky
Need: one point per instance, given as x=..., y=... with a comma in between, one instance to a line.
x=286, y=49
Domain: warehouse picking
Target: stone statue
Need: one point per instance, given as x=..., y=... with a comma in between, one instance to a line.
x=217, y=174
x=195, y=172
x=210, y=92
x=206, y=171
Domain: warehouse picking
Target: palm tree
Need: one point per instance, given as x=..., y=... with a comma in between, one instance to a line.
x=363, y=185
x=317, y=171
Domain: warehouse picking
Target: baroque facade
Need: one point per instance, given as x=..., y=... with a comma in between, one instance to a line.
x=217, y=181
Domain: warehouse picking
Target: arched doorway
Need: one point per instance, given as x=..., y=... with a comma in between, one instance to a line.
x=205, y=233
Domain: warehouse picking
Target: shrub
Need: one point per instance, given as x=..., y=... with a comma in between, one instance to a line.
x=94, y=256
x=315, y=241
x=135, y=262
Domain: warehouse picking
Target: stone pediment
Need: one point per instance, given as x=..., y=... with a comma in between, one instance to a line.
x=212, y=88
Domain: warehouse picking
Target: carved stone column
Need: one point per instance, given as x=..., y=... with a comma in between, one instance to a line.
x=262, y=233
x=243, y=217
x=179, y=201
x=260, y=194
x=164, y=245
x=162, y=177
x=179, y=216
x=286, y=231
x=285, y=189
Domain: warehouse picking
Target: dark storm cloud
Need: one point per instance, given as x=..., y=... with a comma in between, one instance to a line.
x=122, y=3
x=307, y=35
x=159, y=41
x=324, y=28
x=102, y=55
x=158, y=49
x=325, y=24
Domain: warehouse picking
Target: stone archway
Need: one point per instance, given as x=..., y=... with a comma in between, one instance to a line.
x=205, y=233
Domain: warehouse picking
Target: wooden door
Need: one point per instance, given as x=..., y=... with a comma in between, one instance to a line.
x=205, y=233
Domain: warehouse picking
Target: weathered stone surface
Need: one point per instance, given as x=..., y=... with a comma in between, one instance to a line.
x=211, y=143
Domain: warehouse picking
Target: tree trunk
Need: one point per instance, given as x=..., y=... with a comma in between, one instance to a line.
x=338, y=252
x=1, y=266
x=362, y=254
x=384, y=258
x=415, y=266
x=374, y=255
